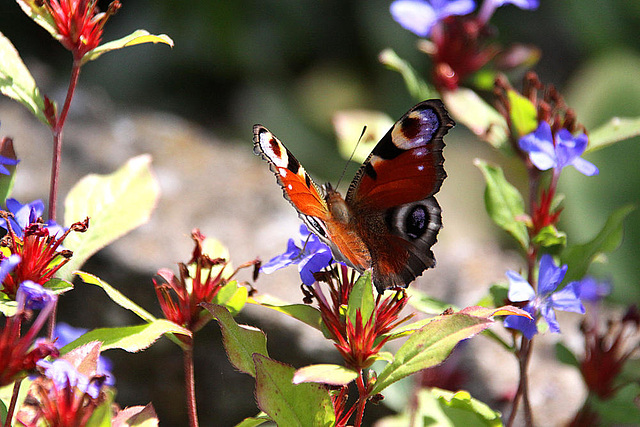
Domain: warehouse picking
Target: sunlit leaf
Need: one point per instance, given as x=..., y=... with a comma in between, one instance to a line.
x=16, y=81
x=349, y=125
x=503, y=202
x=129, y=338
x=136, y=416
x=302, y=312
x=336, y=375
x=361, y=299
x=232, y=296
x=290, y=404
x=468, y=109
x=524, y=117
x=115, y=203
x=417, y=87
x=137, y=37
x=617, y=129
x=579, y=257
x=240, y=341
x=255, y=421
x=38, y=12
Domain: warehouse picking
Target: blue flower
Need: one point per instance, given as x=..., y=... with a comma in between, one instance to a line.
x=7, y=265
x=64, y=334
x=546, y=301
x=419, y=16
x=311, y=257
x=489, y=6
x=64, y=374
x=26, y=214
x=35, y=296
x=545, y=153
x=593, y=291
x=7, y=161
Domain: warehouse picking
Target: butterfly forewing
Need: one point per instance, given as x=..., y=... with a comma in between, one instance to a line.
x=297, y=186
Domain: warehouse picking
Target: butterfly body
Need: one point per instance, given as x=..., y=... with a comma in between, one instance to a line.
x=389, y=219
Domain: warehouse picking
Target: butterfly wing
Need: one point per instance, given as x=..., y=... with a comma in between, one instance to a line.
x=297, y=186
x=391, y=196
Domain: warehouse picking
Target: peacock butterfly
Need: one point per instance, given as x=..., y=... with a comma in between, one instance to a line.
x=389, y=219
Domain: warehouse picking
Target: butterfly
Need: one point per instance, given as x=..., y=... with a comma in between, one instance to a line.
x=389, y=219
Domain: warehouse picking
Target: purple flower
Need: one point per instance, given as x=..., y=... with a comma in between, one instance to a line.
x=64, y=334
x=34, y=295
x=547, y=152
x=26, y=214
x=7, y=161
x=64, y=374
x=311, y=256
x=590, y=290
x=419, y=16
x=489, y=6
x=546, y=300
x=7, y=265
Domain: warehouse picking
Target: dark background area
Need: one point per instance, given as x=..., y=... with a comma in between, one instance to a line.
x=291, y=64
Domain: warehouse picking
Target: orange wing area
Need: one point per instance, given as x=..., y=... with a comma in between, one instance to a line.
x=297, y=186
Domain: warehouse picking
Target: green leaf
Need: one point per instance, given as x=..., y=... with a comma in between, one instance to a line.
x=137, y=37
x=579, y=257
x=290, y=404
x=240, y=341
x=232, y=296
x=417, y=87
x=40, y=15
x=426, y=303
x=101, y=416
x=523, y=114
x=254, y=421
x=566, y=356
x=361, y=299
x=551, y=239
x=456, y=408
x=430, y=346
x=503, y=202
x=336, y=375
x=115, y=203
x=467, y=108
x=349, y=125
x=621, y=409
x=16, y=81
x=116, y=296
x=5, y=398
x=136, y=416
x=128, y=338
x=617, y=129
x=302, y=312
x=58, y=286
x=7, y=181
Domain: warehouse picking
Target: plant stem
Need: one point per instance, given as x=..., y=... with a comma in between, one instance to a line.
x=190, y=386
x=12, y=405
x=57, y=140
x=362, y=399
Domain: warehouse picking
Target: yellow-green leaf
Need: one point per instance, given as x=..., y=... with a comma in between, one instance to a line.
x=137, y=37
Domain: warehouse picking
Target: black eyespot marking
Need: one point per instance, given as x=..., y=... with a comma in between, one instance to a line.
x=416, y=222
x=293, y=165
x=410, y=127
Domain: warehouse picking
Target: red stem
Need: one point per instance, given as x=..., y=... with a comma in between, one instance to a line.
x=189, y=379
x=12, y=405
x=362, y=399
x=57, y=140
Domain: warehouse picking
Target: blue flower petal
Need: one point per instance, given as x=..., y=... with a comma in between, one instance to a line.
x=550, y=316
x=585, y=167
x=566, y=299
x=539, y=145
x=36, y=297
x=446, y=8
x=526, y=326
x=519, y=289
x=589, y=289
x=313, y=264
x=549, y=276
x=522, y=4
x=282, y=260
x=417, y=16
x=568, y=148
x=8, y=265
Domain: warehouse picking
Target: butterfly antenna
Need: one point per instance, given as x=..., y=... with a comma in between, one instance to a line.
x=364, y=129
x=303, y=247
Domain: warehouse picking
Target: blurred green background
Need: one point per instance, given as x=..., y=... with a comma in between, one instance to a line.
x=292, y=64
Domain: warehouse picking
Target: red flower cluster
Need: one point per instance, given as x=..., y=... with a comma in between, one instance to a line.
x=358, y=342
x=79, y=23
x=39, y=253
